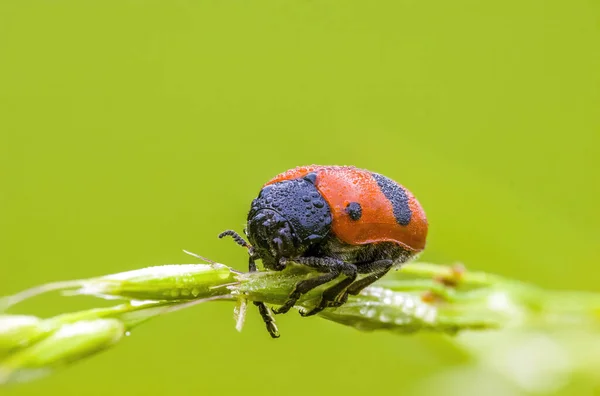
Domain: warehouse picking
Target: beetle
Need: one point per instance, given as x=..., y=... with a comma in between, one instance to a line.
x=338, y=220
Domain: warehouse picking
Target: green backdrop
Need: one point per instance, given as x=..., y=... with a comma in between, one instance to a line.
x=130, y=130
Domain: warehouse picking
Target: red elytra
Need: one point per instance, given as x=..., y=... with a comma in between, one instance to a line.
x=340, y=185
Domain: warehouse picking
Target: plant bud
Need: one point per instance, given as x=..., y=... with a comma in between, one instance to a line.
x=67, y=344
x=166, y=282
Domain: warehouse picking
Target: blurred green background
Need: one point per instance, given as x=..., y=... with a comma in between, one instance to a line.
x=130, y=130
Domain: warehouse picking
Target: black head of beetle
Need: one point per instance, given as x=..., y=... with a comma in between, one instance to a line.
x=286, y=219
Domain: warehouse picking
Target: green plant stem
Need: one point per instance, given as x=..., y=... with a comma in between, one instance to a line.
x=421, y=297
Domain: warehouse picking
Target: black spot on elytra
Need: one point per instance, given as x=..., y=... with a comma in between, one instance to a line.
x=397, y=197
x=354, y=210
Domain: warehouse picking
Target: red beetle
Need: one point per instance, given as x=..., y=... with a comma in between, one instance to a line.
x=337, y=220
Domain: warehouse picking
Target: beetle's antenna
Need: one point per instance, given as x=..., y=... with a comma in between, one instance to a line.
x=236, y=237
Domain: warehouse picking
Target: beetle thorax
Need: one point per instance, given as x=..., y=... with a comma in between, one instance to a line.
x=286, y=219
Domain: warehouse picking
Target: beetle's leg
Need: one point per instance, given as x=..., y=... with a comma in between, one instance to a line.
x=267, y=317
x=332, y=268
x=331, y=296
x=264, y=311
x=335, y=297
x=376, y=269
x=303, y=287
